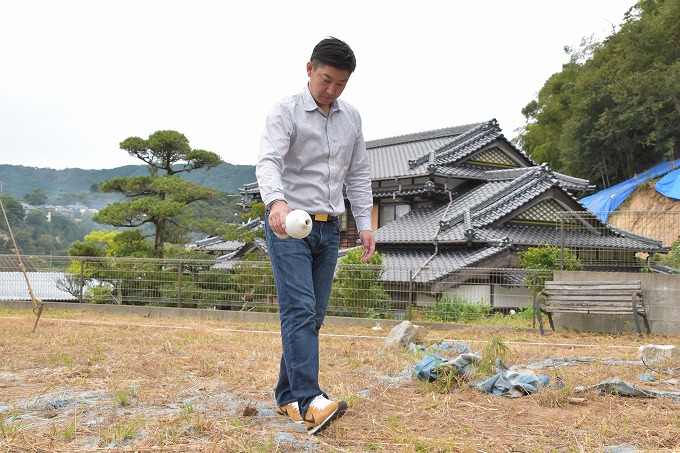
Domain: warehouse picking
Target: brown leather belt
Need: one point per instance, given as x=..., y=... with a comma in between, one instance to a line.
x=323, y=217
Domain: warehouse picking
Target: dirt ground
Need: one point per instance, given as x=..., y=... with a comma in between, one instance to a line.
x=92, y=382
x=660, y=218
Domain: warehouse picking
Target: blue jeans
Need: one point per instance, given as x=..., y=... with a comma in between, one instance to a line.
x=303, y=272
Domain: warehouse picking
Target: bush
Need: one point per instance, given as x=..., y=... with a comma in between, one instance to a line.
x=456, y=308
x=546, y=257
x=357, y=291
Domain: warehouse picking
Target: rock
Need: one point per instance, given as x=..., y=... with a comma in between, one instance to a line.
x=653, y=353
x=401, y=335
x=422, y=333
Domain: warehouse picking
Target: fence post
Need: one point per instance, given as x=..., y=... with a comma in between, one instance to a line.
x=533, y=304
x=82, y=281
x=409, y=311
x=562, y=240
x=180, y=270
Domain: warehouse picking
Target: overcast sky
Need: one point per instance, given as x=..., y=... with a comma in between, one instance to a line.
x=79, y=76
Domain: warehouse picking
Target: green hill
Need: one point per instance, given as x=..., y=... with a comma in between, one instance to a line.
x=19, y=180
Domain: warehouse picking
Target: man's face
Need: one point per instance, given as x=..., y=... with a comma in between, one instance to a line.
x=326, y=83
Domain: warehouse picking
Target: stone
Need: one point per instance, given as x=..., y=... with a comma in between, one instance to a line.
x=401, y=335
x=654, y=353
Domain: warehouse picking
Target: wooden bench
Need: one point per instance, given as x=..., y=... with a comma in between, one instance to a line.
x=595, y=297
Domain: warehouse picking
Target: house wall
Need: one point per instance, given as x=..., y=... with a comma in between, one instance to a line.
x=504, y=297
x=661, y=295
x=473, y=293
x=497, y=295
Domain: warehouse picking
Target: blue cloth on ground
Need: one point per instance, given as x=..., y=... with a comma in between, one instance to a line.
x=505, y=382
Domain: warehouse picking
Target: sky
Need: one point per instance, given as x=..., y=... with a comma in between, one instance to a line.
x=77, y=77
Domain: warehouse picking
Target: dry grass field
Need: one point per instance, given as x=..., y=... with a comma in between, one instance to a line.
x=93, y=382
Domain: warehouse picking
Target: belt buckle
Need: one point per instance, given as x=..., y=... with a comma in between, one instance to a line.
x=321, y=217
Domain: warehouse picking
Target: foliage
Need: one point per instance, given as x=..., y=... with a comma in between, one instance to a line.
x=71, y=185
x=113, y=243
x=494, y=351
x=456, y=308
x=356, y=290
x=36, y=197
x=34, y=233
x=12, y=209
x=548, y=257
x=673, y=257
x=613, y=111
x=257, y=210
x=159, y=200
x=253, y=283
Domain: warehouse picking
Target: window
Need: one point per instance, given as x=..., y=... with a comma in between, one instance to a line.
x=390, y=212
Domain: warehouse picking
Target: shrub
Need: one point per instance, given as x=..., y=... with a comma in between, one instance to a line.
x=357, y=291
x=546, y=257
x=456, y=308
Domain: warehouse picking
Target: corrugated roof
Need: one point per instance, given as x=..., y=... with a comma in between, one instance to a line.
x=45, y=285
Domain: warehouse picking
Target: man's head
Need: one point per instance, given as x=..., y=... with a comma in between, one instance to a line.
x=329, y=68
x=333, y=52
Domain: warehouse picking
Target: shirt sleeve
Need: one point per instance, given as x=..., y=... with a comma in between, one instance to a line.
x=274, y=144
x=358, y=185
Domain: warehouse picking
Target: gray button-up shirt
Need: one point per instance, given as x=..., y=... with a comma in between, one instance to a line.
x=305, y=158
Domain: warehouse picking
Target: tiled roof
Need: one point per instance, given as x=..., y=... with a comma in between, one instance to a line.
x=521, y=200
x=228, y=261
x=45, y=286
x=421, y=136
x=214, y=244
x=568, y=182
x=420, y=263
x=464, y=152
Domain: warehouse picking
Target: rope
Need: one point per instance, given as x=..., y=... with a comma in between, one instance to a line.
x=37, y=303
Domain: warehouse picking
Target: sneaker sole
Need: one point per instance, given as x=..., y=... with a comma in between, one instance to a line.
x=342, y=408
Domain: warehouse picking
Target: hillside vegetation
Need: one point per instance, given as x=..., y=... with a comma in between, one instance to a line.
x=19, y=180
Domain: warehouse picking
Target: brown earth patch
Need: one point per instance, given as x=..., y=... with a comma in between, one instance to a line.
x=95, y=382
x=649, y=213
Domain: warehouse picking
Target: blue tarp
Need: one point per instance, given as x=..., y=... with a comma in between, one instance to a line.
x=669, y=185
x=607, y=200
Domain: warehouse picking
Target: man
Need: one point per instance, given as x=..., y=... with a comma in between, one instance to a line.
x=312, y=145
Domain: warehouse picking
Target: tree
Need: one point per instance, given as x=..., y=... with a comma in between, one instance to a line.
x=614, y=110
x=158, y=199
x=357, y=290
x=36, y=197
x=548, y=258
x=13, y=210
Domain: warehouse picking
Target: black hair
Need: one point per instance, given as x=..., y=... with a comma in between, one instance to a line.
x=333, y=52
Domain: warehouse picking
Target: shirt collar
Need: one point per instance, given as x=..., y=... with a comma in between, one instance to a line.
x=310, y=103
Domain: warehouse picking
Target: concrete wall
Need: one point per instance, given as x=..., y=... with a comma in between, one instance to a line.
x=661, y=295
x=240, y=316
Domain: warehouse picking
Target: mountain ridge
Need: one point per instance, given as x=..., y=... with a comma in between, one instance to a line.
x=19, y=180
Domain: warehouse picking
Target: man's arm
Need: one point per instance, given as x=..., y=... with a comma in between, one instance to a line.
x=274, y=145
x=360, y=195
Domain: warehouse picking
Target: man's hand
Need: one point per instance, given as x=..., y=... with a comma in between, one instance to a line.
x=277, y=216
x=368, y=241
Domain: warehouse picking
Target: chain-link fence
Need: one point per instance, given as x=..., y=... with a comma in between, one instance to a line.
x=358, y=290
x=627, y=240
x=637, y=241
